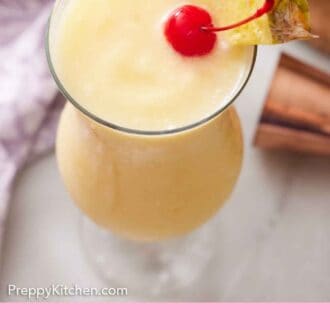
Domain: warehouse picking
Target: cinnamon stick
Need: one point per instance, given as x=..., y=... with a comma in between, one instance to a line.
x=320, y=13
x=296, y=115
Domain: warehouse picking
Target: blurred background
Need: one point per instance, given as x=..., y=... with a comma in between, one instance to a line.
x=274, y=234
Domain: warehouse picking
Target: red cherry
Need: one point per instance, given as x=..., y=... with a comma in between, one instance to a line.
x=183, y=30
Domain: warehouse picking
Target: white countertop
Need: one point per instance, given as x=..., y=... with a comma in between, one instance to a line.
x=274, y=234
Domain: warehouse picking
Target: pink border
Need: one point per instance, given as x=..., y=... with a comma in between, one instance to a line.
x=166, y=316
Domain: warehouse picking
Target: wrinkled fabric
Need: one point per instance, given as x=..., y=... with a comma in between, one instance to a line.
x=29, y=100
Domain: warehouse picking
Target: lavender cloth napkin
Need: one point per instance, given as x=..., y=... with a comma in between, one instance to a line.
x=29, y=100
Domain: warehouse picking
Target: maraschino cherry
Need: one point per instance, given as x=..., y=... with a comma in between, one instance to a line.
x=183, y=30
x=190, y=31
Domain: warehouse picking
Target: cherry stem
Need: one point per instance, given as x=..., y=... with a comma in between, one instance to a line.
x=265, y=9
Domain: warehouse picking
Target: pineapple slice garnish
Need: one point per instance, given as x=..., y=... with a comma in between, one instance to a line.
x=289, y=20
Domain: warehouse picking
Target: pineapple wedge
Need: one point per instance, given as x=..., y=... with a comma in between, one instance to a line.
x=289, y=20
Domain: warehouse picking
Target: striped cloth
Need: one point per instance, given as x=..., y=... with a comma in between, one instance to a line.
x=29, y=100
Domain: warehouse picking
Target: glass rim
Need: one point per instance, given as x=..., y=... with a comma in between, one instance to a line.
x=123, y=129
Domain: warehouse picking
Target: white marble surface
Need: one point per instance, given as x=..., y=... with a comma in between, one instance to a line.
x=274, y=234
